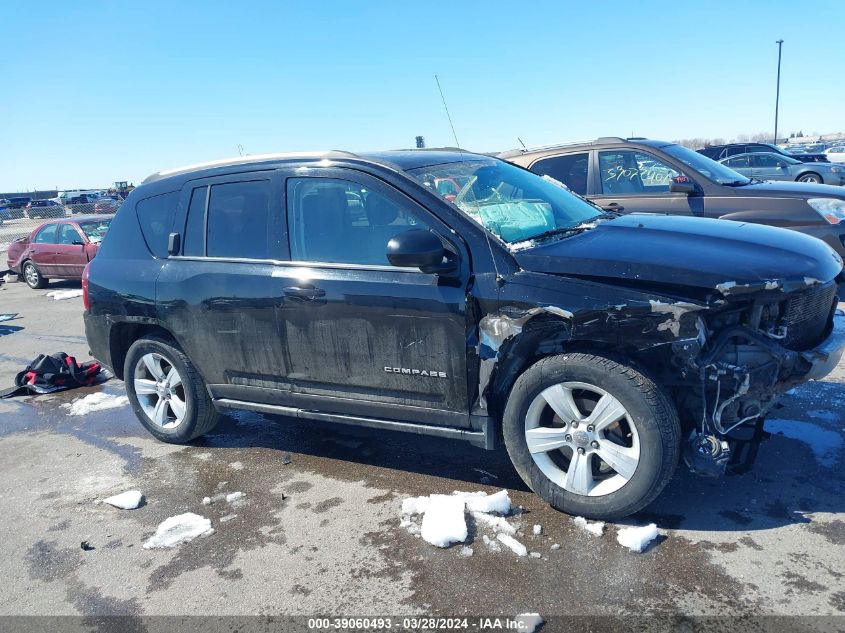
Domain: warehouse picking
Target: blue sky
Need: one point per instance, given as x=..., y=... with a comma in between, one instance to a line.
x=101, y=91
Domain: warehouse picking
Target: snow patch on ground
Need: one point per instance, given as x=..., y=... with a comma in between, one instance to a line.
x=528, y=622
x=826, y=445
x=179, y=529
x=444, y=522
x=95, y=402
x=537, y=530
x=60, y=295
x=637, y=539
x=596, y=529
x=234, y=496
x=128, y=500
x=508, y=541
x=444, y=516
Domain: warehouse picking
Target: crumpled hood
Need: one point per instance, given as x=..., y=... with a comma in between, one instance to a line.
x=698, y=252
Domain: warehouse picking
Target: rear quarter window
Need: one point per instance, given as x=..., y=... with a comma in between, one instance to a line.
x=155, y=216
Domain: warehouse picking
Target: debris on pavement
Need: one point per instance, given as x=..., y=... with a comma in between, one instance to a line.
x=95, y=402
x=467, y=551
x=596, y=528
x=179, y=529
x=637, y=539
x=60, y=295
x=234, y=496
x=518, y=548
x=528, y=622
x=128, y=500
x=85, y=546
x=555, y=546
x=286, y=459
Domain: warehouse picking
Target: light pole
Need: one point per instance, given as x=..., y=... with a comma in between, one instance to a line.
x=777, y=94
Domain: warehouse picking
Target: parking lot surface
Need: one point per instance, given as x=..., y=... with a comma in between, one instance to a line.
x=318, y=528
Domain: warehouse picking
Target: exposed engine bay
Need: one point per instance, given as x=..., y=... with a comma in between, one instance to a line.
x=751, y=353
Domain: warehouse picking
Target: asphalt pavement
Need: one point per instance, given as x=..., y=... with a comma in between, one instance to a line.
x=318, y=530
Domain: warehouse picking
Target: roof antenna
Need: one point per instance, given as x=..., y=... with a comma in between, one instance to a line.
x=524, y=149
x=500, y=281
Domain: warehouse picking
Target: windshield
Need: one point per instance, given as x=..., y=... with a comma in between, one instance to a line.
x=508, y=201
x=95, y=231
x=717, y=172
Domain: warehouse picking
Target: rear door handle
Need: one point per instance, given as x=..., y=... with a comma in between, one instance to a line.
x=305, y=293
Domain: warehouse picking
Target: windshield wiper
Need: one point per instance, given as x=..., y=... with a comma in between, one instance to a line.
x=572, y=230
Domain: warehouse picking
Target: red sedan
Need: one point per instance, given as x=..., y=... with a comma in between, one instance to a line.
x=58, y=249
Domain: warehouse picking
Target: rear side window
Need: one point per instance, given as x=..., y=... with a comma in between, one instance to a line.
x=195, y=229
x=47, y=235
x=239, y=222
x=155, y=215
x=571, y=170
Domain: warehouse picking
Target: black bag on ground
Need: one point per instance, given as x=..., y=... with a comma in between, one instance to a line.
x=55, y=372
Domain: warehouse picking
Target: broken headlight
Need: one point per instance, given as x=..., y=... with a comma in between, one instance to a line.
x=831, y=209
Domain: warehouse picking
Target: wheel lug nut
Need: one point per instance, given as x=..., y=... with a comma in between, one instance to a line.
x=574, y=424
x=591, y=428
x=594, y=444
x=581, y=450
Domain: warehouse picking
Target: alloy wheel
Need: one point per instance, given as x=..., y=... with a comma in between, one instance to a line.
x=158, y=387
x=582, y=438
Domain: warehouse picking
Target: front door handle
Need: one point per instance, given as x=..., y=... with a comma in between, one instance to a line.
x=304, y=293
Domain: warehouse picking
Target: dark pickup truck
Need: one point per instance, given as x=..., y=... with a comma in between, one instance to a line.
x=456, y=295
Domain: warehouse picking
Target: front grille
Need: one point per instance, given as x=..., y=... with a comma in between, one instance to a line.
x=806, y=316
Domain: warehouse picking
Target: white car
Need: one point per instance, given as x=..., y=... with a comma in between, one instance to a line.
x=836, y=154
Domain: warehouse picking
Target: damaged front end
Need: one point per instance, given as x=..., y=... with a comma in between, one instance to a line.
x=760, y=343
x=724, y=357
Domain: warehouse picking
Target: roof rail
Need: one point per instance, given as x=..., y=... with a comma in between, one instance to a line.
x=238, y=160
x=540, y=148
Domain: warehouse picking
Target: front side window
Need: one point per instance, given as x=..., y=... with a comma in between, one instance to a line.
x=338, y=221
x=240, y=223
x=68, y=234
x=765, y=161
x=47, y=235
x=571, y=170
x=514, y=204
x=629, y=172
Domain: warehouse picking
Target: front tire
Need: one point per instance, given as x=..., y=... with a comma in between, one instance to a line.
x=591, y=436
x=166, y=392
x=810, y=177
x=32, y=276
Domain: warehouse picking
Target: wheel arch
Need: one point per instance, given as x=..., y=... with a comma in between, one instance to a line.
x=539, y=338
x=123, y=335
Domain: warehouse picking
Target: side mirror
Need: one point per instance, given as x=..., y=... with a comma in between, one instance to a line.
x=682, y=184
x=78, y=243
x=418, y=248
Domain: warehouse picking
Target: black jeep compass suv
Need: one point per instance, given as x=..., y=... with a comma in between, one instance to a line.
x=453, y=294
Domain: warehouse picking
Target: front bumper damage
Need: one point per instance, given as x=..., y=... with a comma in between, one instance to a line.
x=731, y=426
x=824, y=358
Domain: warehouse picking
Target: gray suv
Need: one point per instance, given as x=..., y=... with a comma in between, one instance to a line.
x=638, y=174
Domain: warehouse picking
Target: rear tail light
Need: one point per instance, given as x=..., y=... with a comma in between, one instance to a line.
x=86, y=301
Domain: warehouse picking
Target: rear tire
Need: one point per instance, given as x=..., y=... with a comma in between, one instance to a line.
x=166, y=392
x=32, y=276
x=635, y=428
x=810, y=177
